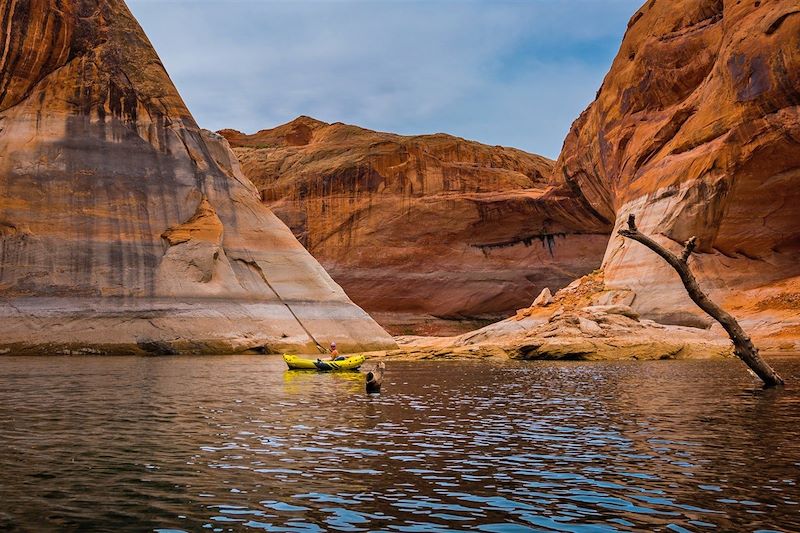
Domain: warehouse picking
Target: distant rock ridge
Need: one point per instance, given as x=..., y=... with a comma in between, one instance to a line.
x=423, y=227
x=124, y=228
x=696, y=130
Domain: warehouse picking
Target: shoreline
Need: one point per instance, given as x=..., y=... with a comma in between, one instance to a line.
x=635, y=351
x=498, y=354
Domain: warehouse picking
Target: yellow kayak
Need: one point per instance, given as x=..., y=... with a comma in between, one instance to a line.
x=298, y=363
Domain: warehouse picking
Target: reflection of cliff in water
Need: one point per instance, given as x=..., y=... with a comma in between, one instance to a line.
x=720, y=447
x=240, y=443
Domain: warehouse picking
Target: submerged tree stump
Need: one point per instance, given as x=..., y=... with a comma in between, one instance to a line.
x=742, y=345
x=375, y=379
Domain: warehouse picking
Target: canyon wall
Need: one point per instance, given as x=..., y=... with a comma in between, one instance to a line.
x=696, y=131
x=420, y=227
x=124, y=228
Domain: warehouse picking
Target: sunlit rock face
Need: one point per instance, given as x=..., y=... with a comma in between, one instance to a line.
x=123, y=226
x=696, y=130
x=415, y=227
x=573, y=324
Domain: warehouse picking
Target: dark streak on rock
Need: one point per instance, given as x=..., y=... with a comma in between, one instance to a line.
x=776, y=24
x=548, y=240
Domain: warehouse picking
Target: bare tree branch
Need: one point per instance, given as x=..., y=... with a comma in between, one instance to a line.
x=743, y=346
x=691, y=244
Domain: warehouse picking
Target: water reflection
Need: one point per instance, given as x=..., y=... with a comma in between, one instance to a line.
x=240, y=444
x=298, y=381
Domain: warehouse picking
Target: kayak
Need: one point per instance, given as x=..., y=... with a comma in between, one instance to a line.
x=298, y=363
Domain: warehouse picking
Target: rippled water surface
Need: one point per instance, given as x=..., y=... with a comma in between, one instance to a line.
x=240, y=444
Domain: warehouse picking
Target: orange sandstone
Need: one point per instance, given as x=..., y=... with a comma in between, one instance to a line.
x=696, y=130
x=423, y=226
x=123, y=226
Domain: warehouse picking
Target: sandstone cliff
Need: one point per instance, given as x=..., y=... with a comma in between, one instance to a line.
x=432, y=225
x=696, y=130
x=123, y=226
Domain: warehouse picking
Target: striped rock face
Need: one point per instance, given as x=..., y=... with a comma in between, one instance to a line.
x=416, y=227
x=123, y=226
x=696, y=130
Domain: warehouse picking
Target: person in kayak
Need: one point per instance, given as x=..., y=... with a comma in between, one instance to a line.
x=335, y=353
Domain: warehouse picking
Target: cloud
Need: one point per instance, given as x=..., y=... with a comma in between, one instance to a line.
x=500, y=71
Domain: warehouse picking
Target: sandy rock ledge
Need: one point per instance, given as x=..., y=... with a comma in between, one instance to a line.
x=573, y=326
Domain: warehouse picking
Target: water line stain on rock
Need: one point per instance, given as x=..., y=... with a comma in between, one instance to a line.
x=125, y=219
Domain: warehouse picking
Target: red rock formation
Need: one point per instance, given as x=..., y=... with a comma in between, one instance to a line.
x=571, y=326
x=123, y=226
x=419, y=226
x=696, y=130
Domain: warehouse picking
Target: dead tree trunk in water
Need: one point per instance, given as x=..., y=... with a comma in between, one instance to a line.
x=375, y=379
x=742, y=345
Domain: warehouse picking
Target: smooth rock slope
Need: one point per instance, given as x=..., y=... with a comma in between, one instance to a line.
x=696, y=130
x=123, y=226
x=425, y=226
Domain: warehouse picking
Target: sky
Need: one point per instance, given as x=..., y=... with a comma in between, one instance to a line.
x=502, y=72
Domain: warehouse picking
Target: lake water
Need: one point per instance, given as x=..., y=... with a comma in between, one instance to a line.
x=239, y=444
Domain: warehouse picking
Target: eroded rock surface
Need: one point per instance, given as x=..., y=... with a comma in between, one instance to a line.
x=696, y=130
x=573, y=326
x=425, y=226
x=123, y=226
